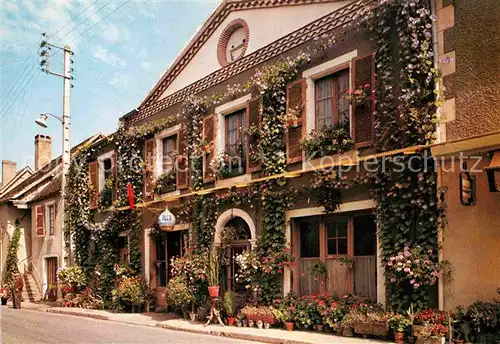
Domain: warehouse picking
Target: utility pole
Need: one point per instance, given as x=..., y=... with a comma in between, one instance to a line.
x=66, y=123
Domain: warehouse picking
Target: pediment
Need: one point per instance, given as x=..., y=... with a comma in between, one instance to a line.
x=237, y=29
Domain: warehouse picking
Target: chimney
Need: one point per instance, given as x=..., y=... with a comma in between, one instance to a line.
x=8, y=171
x=43, y=150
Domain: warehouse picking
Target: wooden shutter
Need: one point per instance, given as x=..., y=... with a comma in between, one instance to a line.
x=295, y=97
x=208, y=136
x=115, y=176
x=363, y=126
x=40, y=220
x=253, y=117
x=149, y=171
x=94, y=183
x=182, y=166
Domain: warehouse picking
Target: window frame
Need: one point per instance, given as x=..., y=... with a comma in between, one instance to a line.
x=101, y=170
x=175, y=138
x=334, y=76
x=50, y=230
x=166, y=133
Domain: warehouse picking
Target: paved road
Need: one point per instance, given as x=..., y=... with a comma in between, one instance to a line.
x=28, y=326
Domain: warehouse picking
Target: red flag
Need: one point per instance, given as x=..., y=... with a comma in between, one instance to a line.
x=130, y=195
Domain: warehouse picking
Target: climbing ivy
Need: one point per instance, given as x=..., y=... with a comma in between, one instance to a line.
x=11, y=261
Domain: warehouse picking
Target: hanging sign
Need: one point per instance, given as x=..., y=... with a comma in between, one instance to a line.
x=166, y=220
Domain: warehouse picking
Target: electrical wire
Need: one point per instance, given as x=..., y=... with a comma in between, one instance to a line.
x=72, y=20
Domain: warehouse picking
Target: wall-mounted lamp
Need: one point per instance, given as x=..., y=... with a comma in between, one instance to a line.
x=493, y=172
x=166, y=220
x=467, y=187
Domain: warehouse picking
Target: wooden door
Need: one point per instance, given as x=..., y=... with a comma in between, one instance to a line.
x=365, y=256
x=51, y=278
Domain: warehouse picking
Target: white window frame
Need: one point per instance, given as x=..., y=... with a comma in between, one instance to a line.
x=318, y=72
x=221, y=112
x=159, y=145
x=100, y=163
x=47, y=218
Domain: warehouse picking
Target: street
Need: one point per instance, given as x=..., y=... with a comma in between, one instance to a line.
x=28, y=326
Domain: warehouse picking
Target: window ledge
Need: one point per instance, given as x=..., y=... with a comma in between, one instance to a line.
x=345, y=157
x=234, y=180
x=170, y=194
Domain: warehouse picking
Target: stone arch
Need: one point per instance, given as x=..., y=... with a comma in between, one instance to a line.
x=228, y=215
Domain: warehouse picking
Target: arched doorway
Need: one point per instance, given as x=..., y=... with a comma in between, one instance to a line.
x=235, y=232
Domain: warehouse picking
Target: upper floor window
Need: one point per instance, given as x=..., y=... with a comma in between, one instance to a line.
x=50, y=217
x=169, y=151
x=234, y=149
x=107, y=165
x=331, y=105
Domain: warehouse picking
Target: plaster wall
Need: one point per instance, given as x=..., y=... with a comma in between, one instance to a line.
x=266, y=25
x=46, y=246
x=8, y=216
x=474, y=47
x=471, y=240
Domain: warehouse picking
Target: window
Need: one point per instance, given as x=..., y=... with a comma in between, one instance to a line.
x=234, y=129
x=107, y=165
x=169, y=152
x=123, y=248
x=50, y=217
x=331, y=105
x=336, y=237
x=309, y=239
x=234, y=125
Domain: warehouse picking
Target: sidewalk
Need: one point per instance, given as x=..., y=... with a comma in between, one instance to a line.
x=169, y=321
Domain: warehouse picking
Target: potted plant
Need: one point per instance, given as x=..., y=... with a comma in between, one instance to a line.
x=359, y=96
x=4, y=291
x=398, y=323
x=165, y=182
x=230, y=306
x=290, y=119
x=214, y=264
x=286, y=315
x=347, y=262
x=347, y=324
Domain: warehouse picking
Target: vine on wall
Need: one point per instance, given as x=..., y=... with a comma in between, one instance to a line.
x=11, y=261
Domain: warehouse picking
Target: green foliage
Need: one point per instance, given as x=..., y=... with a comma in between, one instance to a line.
x=165, y=182
x=213, y=267
x=131, y=291
x=106, y=199
x=333, y=139
x=177, y=292
x=11, y=262
x=398, y=322
x=205, y=212
x=230, y=303
x=72, y=275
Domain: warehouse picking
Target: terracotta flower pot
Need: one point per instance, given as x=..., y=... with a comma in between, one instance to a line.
x=348, y=332
x=289, y=326
x=399, y=337
x=180, y=159
x=230, y=321
x=320, y=327
x=213, y=291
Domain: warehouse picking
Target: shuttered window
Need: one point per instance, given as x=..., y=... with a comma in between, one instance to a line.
x=40, y=220
x=182, y=162
x=94, y=183
x=51, y=219
x=169, y=151
x=295, y=102
x=149, y=175
x=253, y=119
x=331, y=105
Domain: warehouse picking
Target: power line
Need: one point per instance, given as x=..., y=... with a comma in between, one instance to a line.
x=7, y=108
x=91, y=27
x=12, y=85
x=73, y=19
x=82, y=22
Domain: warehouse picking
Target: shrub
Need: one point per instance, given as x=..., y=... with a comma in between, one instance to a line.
x=131, y=291
x=72, y=276
x=177, y=292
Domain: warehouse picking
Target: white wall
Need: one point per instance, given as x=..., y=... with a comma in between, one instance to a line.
x=266, y=25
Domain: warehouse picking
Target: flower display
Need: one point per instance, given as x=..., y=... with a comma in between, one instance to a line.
x=358, y=96
x=333, y=139
x=414, y=265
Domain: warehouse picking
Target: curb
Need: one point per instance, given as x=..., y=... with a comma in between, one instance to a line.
x=78, y=314
x=233, y=335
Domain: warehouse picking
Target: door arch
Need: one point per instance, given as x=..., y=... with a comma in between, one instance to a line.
x=242, y=232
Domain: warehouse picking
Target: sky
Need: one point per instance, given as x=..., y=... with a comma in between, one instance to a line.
x=121, y=49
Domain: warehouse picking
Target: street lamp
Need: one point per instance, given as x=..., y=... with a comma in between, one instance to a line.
x=66, y=157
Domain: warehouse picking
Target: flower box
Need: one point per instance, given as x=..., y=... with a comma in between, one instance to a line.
x=380, y=329
x=364, y=328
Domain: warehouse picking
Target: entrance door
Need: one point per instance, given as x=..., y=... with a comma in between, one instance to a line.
x=336, y=253
x=167, y=249
x=51, y=264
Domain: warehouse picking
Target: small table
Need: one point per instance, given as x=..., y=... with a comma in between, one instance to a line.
x=214, y=312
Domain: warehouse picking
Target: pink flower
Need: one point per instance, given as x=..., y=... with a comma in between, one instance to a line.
x=416, y=285
x=389, y=264
x=393, y=280
x=407, y=270
x=412, y=281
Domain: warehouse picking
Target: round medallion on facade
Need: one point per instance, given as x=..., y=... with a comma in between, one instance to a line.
x=233, y=42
